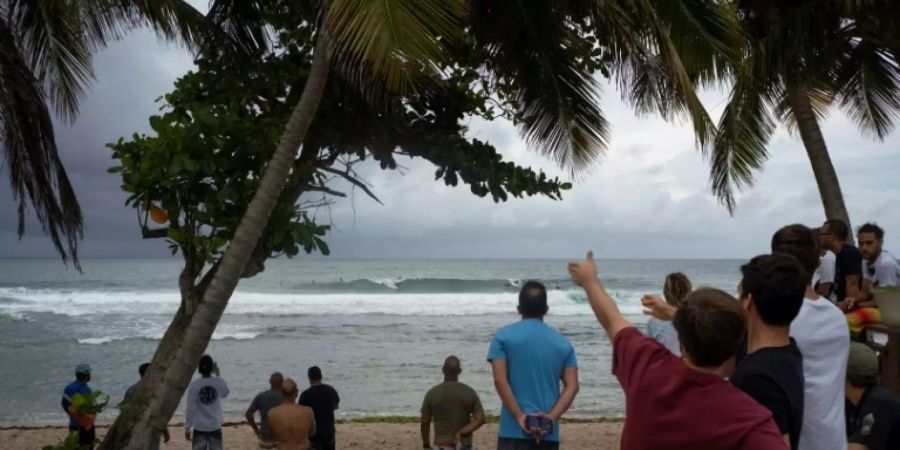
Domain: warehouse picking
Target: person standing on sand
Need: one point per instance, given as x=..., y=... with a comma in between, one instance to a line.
x=291, y=424
x=130, y=393
x=203, y=412
x=685, y=402
x=86, y=434
x=262, y=403
x=677, y=286
x=324, y=400
x=528, y=359
x=455, y=409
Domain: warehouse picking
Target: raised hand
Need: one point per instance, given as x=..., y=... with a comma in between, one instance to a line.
x=655, y=306
x=583, y=272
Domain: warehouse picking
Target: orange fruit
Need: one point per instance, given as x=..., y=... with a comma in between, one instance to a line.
x=158, y=215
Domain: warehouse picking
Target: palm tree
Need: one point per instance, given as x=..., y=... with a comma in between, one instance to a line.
x=46, y=49
x=800, y=58
x=540, y=58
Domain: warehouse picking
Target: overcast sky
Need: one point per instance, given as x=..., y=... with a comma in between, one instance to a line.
x=648, y=198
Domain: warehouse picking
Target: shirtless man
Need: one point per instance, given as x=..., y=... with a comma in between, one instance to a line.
x=292, y=424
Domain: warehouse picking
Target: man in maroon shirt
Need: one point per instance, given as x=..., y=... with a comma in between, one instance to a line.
x=682, y=403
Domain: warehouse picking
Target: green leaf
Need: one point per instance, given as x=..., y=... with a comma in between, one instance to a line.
x=323, y=247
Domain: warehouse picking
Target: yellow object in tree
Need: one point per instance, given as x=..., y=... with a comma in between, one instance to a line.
x=158, y=215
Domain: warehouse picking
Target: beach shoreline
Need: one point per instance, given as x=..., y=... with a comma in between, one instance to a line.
x=400, y=432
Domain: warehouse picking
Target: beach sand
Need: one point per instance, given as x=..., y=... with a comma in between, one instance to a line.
x=575, y=436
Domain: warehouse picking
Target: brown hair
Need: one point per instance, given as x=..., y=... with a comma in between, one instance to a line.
x=710, y=326
x=800, y=242
x=677, y=286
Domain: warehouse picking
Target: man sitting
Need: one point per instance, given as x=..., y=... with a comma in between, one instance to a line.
x=873, y=412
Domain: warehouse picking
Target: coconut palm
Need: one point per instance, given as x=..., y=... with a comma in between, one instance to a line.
x=800, y=58
x=46, y=49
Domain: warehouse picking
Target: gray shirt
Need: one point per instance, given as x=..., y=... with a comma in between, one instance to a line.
x=263, y=402
x=665, y=334
x=129, y=393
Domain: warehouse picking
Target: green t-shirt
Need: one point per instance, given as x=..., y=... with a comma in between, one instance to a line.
x=451, y=405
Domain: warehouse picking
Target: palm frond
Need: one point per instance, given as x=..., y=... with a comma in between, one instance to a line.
x=383, y=46
x=540, y=61
x=57, y=49
x=743, y=133
x=662, y=51
x=869, y=83
x=27, y=140
x=705, y=34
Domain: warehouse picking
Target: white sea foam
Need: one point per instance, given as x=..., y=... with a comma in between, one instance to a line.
x=81, y=303
x=217, y=336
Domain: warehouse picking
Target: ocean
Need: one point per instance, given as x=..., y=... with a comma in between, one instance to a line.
x=379, y=329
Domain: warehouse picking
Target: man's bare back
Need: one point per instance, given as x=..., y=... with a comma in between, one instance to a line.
x=292, y=426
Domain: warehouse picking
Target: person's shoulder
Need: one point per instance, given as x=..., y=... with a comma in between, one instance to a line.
x=740, y=406
x=850, y=251
x=465, y=387
x=330, y=388
x=880, y=396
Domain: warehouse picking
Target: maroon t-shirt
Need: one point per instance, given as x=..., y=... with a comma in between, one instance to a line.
x=671, y=406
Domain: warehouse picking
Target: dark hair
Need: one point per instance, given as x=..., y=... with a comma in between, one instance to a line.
x=533, y=300
x=206, y=365
x=838, y=228
x=800, y=242
x=871, y=228
x=777, y=283
x=143, y=369
x=314, y=373
x=676, y=287
x=710, y=326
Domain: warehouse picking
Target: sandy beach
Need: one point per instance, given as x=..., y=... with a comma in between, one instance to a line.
x=595, y=435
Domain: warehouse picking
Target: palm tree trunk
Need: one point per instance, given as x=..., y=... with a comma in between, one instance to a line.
x=823, y=169
x=169, y=389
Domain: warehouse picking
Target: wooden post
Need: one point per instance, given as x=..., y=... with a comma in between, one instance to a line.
x=886, y=341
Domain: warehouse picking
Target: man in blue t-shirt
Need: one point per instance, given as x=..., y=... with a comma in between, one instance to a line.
x=529, y=359
x=79, y=386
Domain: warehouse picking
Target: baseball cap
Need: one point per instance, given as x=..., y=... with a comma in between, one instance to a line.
x=862, y=364
x=83, y=368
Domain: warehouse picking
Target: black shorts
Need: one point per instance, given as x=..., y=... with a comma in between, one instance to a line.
x=86, y=438
x=523, y=444
x=322, y=443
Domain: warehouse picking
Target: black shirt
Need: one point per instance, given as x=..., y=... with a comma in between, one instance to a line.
x=875, y=423
x=773, y=376
x=323, y=400
x=847, y=262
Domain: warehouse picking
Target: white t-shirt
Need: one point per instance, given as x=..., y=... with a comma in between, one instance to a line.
x=825, y=272
x=821, y=333
x=203, y=411
x=887, y=270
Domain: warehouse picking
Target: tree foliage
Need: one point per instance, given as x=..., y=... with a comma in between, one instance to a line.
x=219, y=127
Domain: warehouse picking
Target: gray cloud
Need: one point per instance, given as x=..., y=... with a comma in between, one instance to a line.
x=648, y=198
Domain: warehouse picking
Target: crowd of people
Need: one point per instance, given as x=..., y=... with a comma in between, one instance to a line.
x=780, y=366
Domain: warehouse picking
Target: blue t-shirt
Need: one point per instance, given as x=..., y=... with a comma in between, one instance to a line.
x=75, y=387
x=536, y=355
